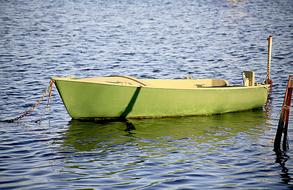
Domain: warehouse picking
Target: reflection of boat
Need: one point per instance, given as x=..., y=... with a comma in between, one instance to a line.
x=84, y=136
x=127, y=97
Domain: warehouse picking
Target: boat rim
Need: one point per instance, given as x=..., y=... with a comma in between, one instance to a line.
x=77, y=80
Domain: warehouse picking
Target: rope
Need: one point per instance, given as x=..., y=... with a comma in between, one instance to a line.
x=48, y=93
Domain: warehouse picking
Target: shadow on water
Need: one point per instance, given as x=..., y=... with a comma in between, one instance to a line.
x=87, y=136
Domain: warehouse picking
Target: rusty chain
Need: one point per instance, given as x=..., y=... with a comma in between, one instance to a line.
x=48, y=93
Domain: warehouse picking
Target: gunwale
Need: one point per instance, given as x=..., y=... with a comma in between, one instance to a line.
x=82, y=80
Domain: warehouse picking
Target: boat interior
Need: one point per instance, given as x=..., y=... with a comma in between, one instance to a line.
x=158, y=83
x=248, y=80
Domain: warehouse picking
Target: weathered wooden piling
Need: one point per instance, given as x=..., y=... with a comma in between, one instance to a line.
x=282, y=129
x=270, y=44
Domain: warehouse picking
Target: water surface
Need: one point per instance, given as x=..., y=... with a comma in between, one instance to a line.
x=144, y=39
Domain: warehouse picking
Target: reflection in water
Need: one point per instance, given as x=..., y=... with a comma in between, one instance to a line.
x=85, y=136
x=281, y=158
x=159, y=153
x=129, y=127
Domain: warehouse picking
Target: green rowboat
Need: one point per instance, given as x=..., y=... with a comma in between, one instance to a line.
x=117, y=97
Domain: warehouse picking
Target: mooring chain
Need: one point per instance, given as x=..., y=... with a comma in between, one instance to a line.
x=48, y=93
x=50, y=90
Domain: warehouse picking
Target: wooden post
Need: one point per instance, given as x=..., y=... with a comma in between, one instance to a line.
x=284, y=119
x=270, y=44
x=287, y=112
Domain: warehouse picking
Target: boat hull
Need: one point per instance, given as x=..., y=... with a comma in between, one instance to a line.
x=85, y=100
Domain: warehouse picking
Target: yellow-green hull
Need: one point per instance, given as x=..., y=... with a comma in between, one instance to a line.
x=94, y=100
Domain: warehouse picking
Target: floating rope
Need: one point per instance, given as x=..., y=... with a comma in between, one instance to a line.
x=48, y=93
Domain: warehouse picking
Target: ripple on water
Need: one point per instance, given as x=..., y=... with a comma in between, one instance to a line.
x=145, y=39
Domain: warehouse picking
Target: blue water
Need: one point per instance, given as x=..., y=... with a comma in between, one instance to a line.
x=144, y=39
